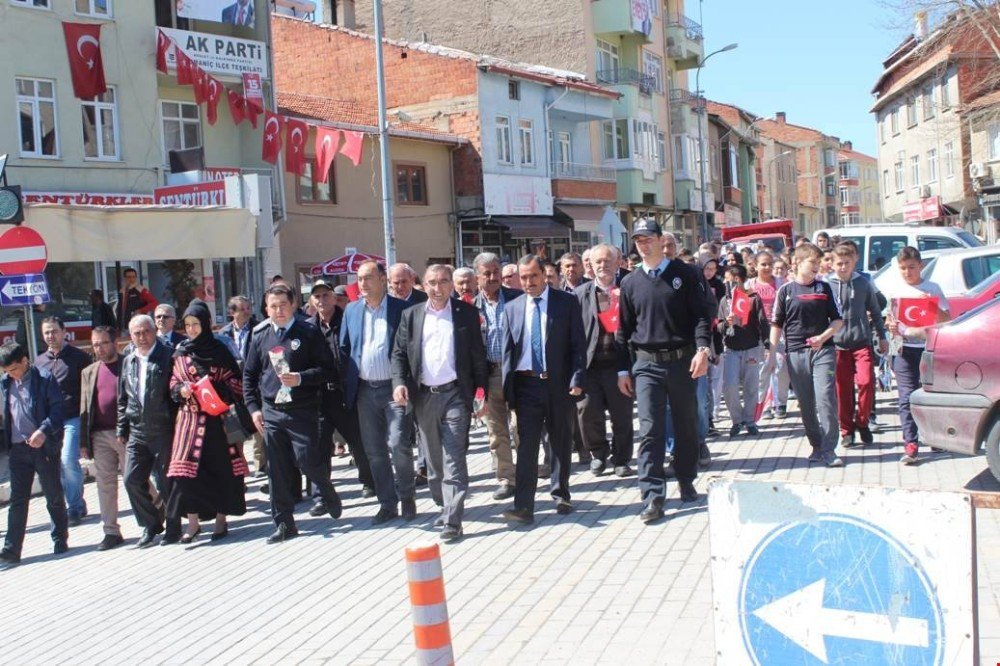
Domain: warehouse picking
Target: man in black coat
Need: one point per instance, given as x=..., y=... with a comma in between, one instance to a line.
x=438, y=363
x=544, y=369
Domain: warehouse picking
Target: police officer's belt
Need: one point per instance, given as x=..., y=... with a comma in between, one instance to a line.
x=441, y=388
x=664, y=355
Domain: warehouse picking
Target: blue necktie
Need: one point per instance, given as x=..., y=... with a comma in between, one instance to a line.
x=654, y=273
x=281, y=333
x=537, y=354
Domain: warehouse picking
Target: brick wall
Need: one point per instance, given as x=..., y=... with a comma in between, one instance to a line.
x=584, y=189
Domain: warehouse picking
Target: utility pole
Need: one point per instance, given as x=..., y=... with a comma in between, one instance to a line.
x=388, y=226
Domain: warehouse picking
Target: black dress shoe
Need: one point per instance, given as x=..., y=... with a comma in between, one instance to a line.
x=367, y=492
x=408, y=508
x=563, y=507
x=283, y=533
x=318, y=509
x=668, y=471
x=170, y=539
x=623, y=471
x=704, y=456
x=59, y=546
x=384, y=515
x=110, y=541
x=451, y=533
x=688, y=493
x=148, y=535
x=866, y=435
x=265, y=488
x=9, y=556
x=519, y=516
x=653, y=512
x=597, y=466
x=334, y=506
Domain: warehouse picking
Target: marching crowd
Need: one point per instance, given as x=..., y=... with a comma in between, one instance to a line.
x=544, y=354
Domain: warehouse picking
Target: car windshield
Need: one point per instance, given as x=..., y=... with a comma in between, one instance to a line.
x=968, y=238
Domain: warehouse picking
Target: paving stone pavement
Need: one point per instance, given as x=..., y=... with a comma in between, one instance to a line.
x=593, y=587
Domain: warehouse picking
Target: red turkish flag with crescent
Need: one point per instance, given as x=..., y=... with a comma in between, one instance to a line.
x=741, y=306
x=353, y=291
x=236, y=105
x=162, y=46
x=214, y=88
x=273, y=124
x=609, y=318
x=207, y=397
x=185, y=68
x=251, y=111
x=327, y=142
x=296, y=133
x=83, y=46
x=918, y=312
x=200, y=84
x=352, y=146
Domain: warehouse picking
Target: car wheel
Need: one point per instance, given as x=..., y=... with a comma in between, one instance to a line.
x=992, y=446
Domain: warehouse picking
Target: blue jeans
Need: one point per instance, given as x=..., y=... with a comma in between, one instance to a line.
x=72, y=472
x=704, y=412
x=387, y=436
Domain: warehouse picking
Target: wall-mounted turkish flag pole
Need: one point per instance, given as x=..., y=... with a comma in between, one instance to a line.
x=272, y=137
x=83, y=46
x=297, y=131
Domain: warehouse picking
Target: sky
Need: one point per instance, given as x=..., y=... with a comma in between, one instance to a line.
x=817, y=61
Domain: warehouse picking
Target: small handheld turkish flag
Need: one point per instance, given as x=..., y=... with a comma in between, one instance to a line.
x=352, y=146
x=609, y=318
x=86, y=68
x=273, y=124
x=207, y=398
x=296, y=132
x=162, y=46
x=236, y=106
x=741, y=306
x=353, y=291
x=327, y=142
x=212, y=101
x=917, y=312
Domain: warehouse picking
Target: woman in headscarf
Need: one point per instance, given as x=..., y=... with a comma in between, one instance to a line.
x=207, y=471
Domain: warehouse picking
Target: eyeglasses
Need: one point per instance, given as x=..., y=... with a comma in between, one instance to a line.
x=165, y=317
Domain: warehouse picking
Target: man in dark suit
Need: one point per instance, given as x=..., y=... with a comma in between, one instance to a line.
x=572, y=271
x=544, y=369
x=239, y=13
x=438, y=362
x=240, y=331
x=402, y=279
x=283, y=399
x=491, y=301
x=165, y=318
x=33, y=407
x=146, y=427
x=366, y=341
x=604, y=358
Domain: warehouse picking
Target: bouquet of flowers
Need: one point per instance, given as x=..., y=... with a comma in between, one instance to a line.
x=280, y=365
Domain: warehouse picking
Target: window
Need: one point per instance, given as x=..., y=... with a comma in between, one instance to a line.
x=898, y=174
x=513, y=89
x=652, y=66
x=621, y=139
x=503, y=140
x=310, y=190
x=850, y=218
x=881, y=130
x=881, y=250
x=849, y=196
x=661, y=150
x=849, y=170
x=932, y=165
x=948, y=159
x=734, y=166
x=608, y=139
x=994, y=141
x=911, y=113
x=680, y=154
x=411, y=185
x=894, y=121
x=829, y=158
x=915, y=170
x=38, y=4
x=945, y=93
x=181, y=126
x=98, y=8
x=928, y=101
x=100, y=127
x=607, y=56
x=36, y=106
x=977, y=269
x=885, y=183
x=526, y=135
x=936, y=243
x=564, y=148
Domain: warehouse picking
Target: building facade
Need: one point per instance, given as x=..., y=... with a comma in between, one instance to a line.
x=858, y=184
x=777, y=179
x=737, y=155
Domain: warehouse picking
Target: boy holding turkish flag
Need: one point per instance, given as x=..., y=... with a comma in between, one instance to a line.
x=744, y=327
x=916, y=305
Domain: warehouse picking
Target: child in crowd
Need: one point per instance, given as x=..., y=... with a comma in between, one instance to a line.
x=773, y=374
x=744, y=351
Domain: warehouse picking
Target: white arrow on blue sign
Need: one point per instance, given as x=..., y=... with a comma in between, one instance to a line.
x=21, y=290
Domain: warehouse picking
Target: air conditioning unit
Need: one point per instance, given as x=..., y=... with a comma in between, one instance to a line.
x=925, y=192
x=979, y=170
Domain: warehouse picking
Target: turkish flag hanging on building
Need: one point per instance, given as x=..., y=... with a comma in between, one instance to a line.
x=917, y=312
x=162, y=46
x=273, y=124
x=741, y=305
x=83, y=46
x=214, y=88
x=200, y=84
x=251, y=112
x=352, y=146
x=296, y=133
x=185, y=68
x=236, y=104
x=327, y=142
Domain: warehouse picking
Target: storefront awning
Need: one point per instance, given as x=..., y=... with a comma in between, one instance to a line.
x=142, y=233
x=585, y=218
x=538, y=226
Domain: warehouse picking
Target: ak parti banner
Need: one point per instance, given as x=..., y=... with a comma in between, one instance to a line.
x=86, y=67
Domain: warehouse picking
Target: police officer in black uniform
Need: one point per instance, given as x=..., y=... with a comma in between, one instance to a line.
x=664, y=318
x=291, y=429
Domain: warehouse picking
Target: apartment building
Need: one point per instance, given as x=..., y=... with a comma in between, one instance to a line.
x=982, y=118
x=858, y=184
x=93, y=168
x=777, y=178
x=735, y=160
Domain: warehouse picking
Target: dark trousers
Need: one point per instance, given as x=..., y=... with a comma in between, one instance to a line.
x=142, y=460
x=603, y=397
x=540, y=407
x=25, y=462
x=443, y=419
x=906, y=367
x=293, y=441
x=655, y=384
x=345, y=421
x=387, y=434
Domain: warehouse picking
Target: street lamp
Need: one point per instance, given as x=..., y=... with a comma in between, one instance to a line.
x=701, y=143
x=768, y=172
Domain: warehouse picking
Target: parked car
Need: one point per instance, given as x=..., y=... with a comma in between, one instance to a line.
x=957, y=408
x=983, y=292
x=879, y=243
x=955, y=271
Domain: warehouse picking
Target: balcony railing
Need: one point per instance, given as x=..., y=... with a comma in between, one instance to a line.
x=691, y=29
x=627, y=76
x=685, y=96
x=574, y=171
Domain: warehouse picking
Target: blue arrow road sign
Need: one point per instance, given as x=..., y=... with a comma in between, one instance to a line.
x=18, y=290
x=838, y=590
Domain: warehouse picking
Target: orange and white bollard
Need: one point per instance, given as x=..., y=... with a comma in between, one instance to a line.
x=431, y=631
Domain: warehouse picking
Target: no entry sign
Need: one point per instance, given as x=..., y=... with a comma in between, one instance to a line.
x=22, y=250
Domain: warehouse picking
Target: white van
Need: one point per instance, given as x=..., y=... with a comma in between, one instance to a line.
x=879, y=243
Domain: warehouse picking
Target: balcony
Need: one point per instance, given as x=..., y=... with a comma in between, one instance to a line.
x=626, y=76
x=684, y=108
x=684, y=40
x=574, y=171
x=622, y=17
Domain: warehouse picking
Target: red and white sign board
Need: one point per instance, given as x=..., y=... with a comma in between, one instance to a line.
x=87, y=199
x=211, y=193
x=22, y=250
x=252, y=89
x=218, y=173
x=925, y=209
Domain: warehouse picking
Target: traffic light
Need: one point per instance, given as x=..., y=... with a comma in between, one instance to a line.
x=11, y=208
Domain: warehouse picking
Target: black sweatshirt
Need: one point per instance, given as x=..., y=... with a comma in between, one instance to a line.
x=738, y=337
x=667, y=312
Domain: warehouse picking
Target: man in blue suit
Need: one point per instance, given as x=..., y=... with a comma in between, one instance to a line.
x=544, y=369
x=367, y=336
x=239, y=13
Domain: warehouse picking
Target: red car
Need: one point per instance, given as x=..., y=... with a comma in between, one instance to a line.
x=984, y=291
x=958, y=406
